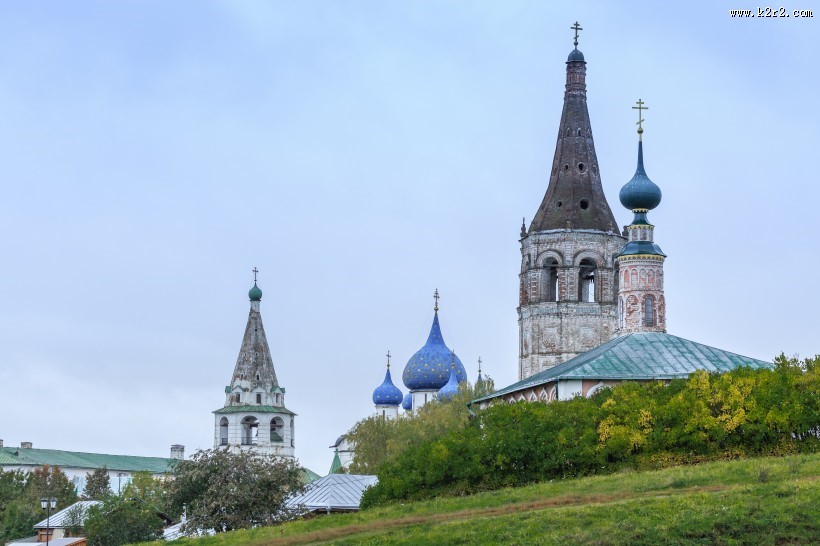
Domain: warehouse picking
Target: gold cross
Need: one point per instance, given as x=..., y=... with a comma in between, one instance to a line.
x=576, y=27
x=640, y=108
x=255, y=271
x=435, y=296
x=388, y=359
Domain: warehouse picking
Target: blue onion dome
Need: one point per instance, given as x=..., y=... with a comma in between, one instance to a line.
x=429, y=368
x=575, y=55
x=451, y=388
x=255, y=293
x=640, y=192
x=407, y=403
x=387, y=394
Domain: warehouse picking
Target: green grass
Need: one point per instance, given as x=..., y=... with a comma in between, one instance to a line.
x=772, y=500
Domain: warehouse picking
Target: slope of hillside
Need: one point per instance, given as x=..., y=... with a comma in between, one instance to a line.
x=773, y=500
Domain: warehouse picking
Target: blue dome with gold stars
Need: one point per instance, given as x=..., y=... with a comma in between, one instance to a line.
x=451, y=388
x=407, y=403
x=429, y=368
x=387, y=394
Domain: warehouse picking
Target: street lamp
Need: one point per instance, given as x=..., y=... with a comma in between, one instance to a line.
x=48, y=504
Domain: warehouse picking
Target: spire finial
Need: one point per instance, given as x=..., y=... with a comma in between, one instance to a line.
x=576, y=27
x=523, y=227
x=435, y=297
x=255, y=271
x=388, y=359
x=640, y=108
x=479, y=365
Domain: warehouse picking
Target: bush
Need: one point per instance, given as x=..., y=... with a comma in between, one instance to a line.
x=707, y=416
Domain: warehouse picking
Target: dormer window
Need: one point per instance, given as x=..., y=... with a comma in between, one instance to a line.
x=236, y=397
x=258, y=398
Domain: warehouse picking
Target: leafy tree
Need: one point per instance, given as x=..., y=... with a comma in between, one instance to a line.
x=377, y=440
x=49, y=481
x=122, y=520
x=151, y=490
x=20, y=494
x=97, y=484
x=223, y=490
x=74, y=520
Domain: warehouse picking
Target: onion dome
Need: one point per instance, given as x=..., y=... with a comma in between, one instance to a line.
x=255, y=293
x=387, y=394
x=575, y=55
x=451, y=388
x=640, y=192
x=429, y=368
x=407, y=403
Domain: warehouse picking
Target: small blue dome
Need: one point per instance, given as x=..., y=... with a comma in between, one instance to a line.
x=429, y=368
x=255, y=293
x=575, y=55
x=407, y=403
x=387, y=394
x=640, y=192
x=451, y=388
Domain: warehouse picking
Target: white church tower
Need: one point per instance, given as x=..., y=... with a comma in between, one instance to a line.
x=254, y=416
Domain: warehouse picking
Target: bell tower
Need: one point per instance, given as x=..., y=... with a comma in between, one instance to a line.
x=641, y=303
x=568, y=280
x=254, y=417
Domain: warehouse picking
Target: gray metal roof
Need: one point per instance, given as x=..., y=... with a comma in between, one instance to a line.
x=58, y=519
x=52, y=542
x=334, y=492
x=638, y=356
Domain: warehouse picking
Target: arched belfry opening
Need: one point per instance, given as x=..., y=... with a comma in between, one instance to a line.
x=587, y=280
x=250, y=431
x=277, y=430
x=223, y=431
x=549, y=280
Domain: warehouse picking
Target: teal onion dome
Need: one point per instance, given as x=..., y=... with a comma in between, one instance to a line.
x=640, y=192
x=429, y=368
x=255, y=293
x=387, y=394
x=575, y=55
x=407, y=403
x=451, y=388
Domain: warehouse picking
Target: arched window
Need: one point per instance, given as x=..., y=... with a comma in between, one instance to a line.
x=549, y=280
x=223, y=431
x=250, y=431
x=258, y=398
x=587, y=280
x=277, y=430
x=292, y=433
x=649, y=311
x=620, y=312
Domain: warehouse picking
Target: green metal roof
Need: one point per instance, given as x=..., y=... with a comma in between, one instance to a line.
x=336, y=465
x=309, y=476
x=254, y=409
x=74, y=459
x=638, y=356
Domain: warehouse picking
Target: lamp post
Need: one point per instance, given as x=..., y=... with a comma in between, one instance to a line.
x=48, y=504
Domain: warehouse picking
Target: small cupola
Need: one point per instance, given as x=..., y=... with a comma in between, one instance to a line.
x=387, y=394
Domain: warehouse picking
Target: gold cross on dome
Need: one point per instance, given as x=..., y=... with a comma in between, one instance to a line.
x=640, y=108
x=255, y=271
x=435, y=297
x=576, y=27
x=388, y=359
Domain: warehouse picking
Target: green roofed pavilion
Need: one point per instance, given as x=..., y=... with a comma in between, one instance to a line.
x=640, y=356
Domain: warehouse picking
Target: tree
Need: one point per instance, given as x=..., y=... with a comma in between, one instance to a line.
x=97, y=484
x=20, y=494
x=122, y=520
x=223, y=490
x=149, y=489
x=377, y=440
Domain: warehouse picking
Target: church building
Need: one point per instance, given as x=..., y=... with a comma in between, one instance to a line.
x=254, y=416
x=592, y=308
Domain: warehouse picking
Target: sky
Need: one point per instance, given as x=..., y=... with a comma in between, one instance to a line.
x=362, y=154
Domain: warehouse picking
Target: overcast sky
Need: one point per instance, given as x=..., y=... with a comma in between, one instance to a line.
x=362, y=154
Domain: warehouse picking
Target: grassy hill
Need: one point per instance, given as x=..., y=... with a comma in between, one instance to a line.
x=772, y=500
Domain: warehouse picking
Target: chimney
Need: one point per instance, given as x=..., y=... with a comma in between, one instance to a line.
x=177, y=451
x=26, y=445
